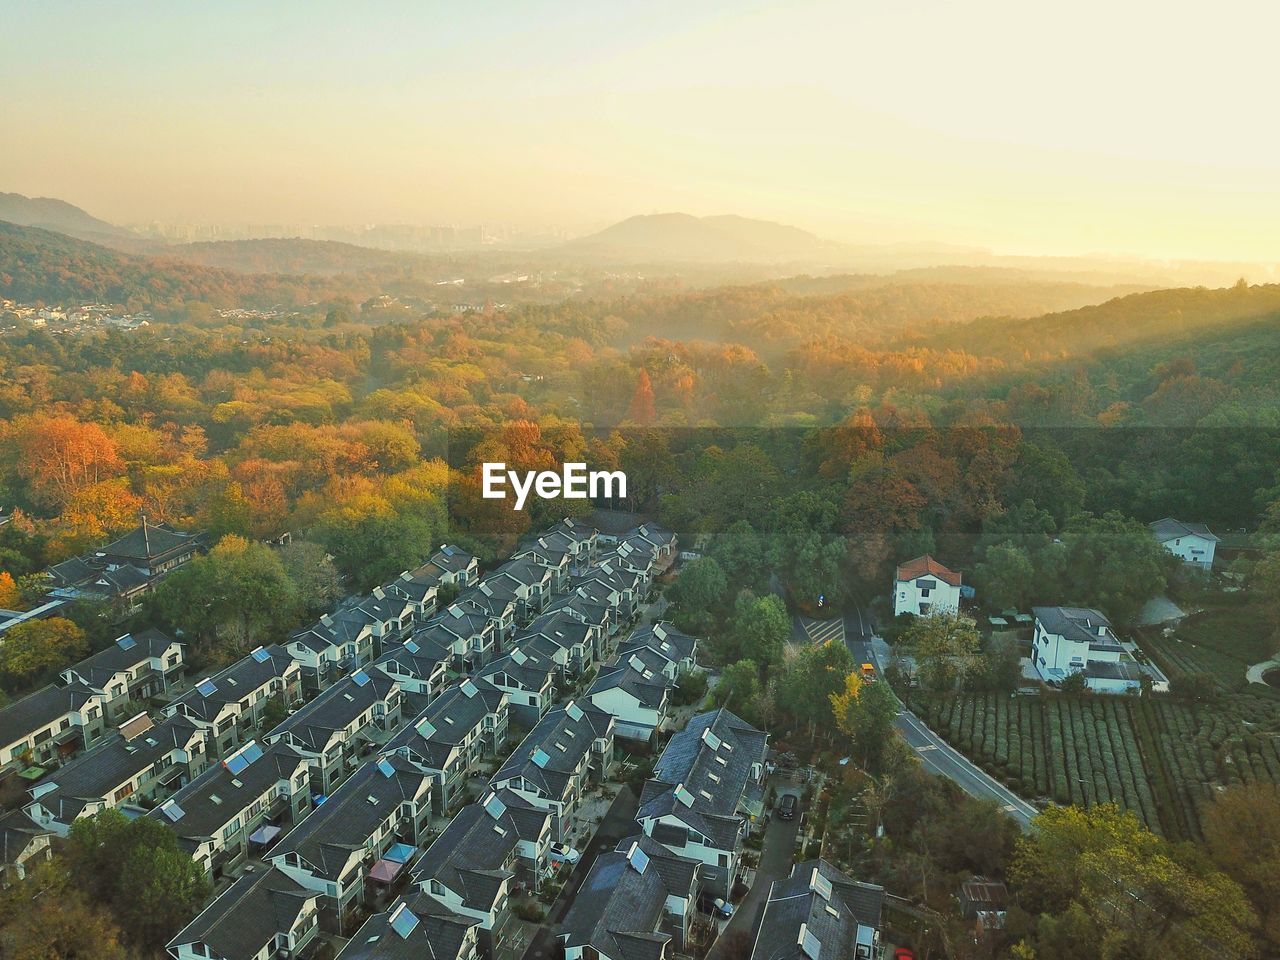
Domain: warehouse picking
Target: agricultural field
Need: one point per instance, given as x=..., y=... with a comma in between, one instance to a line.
x=1221, y=643
x=1156, y=756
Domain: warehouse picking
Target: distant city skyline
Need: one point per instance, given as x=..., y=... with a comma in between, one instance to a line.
x=1112, y=127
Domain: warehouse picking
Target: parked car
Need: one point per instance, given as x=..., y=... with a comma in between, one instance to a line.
x=787, y=805
x=714, y=906
x=904, y=953
x=563, y=853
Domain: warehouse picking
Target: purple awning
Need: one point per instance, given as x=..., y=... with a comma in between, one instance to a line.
x=384, y=870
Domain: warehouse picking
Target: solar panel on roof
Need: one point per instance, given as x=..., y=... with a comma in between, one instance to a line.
x=684, y=796
x=469, y=689
x=359, y=678
x=404, y=921
x=518, y=657
x=206, y=688
x=710, y=739
x=261, y=655
x=638, y=859
x=173, y=811
x=540, y=758
x=385, y=768
x=411, y=646
x=809, y=943
x=574, y=711
x=237, y=762
x=126, y=642
x=495, y=807
x=820, y=885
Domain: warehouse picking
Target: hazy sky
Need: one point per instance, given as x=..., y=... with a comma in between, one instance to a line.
x=1103, y=125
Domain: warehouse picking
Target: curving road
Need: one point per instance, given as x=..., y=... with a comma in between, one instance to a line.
x=935, y=753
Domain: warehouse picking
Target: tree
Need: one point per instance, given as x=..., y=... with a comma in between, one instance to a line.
x=762, y=627
x=1000, y=666
x=741, y=553
x=236, y=595
x=1242, y=830
x=60, y=456
x=1006, y=577
x=643, y=409
x=945, y=647
x=136, y=869
x=313, y=574
x=1149, y=898
x=808, y=679
x=699, y=594
x=1113, y=563
x=46, y=916
x=865, y=713
x=739, y=689
x=35, y=646
x=10, y=598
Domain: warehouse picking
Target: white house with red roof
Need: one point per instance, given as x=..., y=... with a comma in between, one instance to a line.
x=923, y=586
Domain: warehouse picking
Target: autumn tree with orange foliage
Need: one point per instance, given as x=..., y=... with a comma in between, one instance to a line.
x=643, y=409
x=60, y=456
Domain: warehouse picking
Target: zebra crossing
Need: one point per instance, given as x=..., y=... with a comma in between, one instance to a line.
x=822, y=631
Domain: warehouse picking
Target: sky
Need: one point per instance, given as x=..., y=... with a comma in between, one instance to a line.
x=1126, y=126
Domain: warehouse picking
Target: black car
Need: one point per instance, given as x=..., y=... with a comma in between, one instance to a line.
x=786, y=808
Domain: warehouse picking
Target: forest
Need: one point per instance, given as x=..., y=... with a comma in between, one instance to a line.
x=804, y=435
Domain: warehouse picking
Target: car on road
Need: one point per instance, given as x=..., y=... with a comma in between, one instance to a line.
x=787, y=805
x=714, y=906
x=563, y=853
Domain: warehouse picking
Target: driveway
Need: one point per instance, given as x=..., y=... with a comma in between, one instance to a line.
x=775, y=863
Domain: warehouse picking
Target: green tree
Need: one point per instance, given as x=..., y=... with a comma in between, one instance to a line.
x=374, y=548
x=1242, y=830
x=313, y=575
x=699, y=595
x=739, y=689
x=1113, y=563
x=762, y=628
x=945, y=648
x=238, y=595
x=135, y=868
x=741, y=554
x=809, y=677
x=865, y=713
x=1006, y=577
x=47, y=916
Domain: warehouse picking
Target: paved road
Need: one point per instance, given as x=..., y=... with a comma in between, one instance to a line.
x=775, y=863
x=932, y=750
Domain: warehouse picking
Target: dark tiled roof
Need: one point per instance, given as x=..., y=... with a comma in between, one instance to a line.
x=471, y=856
x=38, y=710
x=313, y=724
x=525, y=667
x=150, y=541
x=247, y=915
x=565, y=736
x=452, y=715
x=1077, y=623
x=94, y=776
x=17, y=832
x=213, y=798
x=1171, y=529
x=439, y=934
x=127, y=653
x=345, y=822
x=619, y=908
x=639, y=674
x=663, y=639
x=826, y=904
x=237, y=682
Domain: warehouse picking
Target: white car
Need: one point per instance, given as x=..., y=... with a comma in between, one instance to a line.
x=563, y=853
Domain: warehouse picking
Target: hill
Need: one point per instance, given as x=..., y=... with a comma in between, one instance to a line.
x=49, y=213
x=41, y=265
x=681, y=236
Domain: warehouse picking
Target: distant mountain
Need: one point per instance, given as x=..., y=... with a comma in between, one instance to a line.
x=680, y=236
x=57, y=215
x=42, y=265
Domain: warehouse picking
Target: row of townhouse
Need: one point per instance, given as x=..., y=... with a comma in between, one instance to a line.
x=705, y=798
x=229, y=705
x=139, y=763
x=353, y=636
x=819, y=913
x=331, y=731
x=61, y=720
x=490, y=849
x=247, y=799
